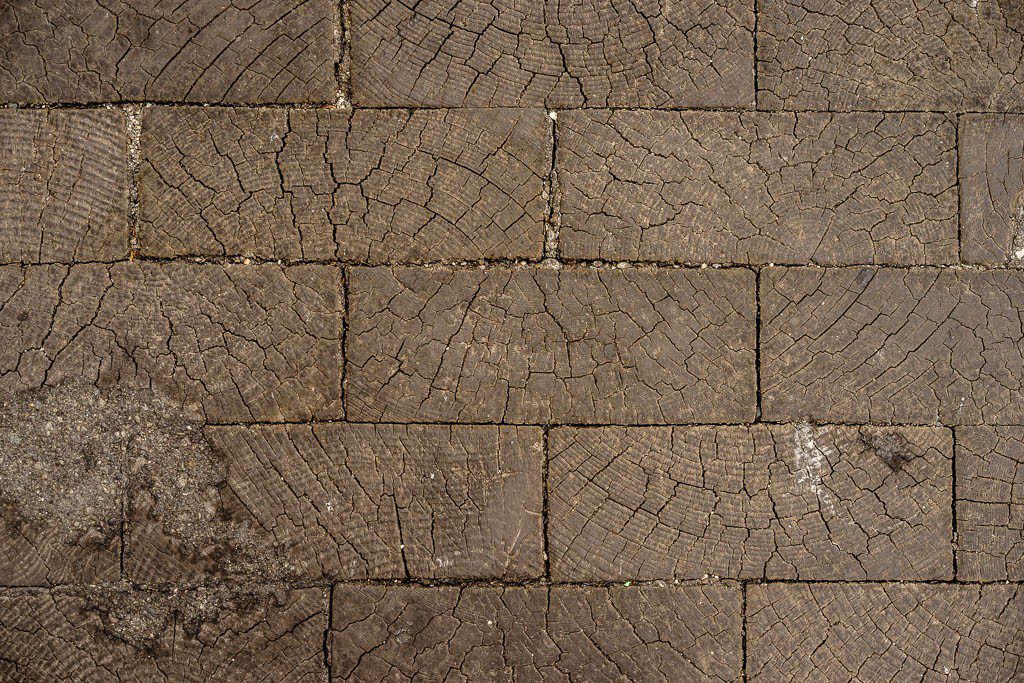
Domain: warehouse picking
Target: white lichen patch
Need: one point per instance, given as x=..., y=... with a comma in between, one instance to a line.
x=1017, y=224
x=813, y=465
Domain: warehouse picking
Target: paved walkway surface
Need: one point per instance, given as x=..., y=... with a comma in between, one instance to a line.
x=512, y=340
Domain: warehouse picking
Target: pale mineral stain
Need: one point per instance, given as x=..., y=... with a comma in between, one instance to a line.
x=812, y=464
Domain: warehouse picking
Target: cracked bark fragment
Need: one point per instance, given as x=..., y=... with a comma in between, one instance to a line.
x=541, y=345
x=992, y=189
x=860, y=632
x=195, y=51
x=758, y=188
x=990, y=503
x=903, y=54
x=132, y=635
x=63, y=186
x=343, y=501
x=914, y=345
x=459, y=53
x=370, y=186
x=772, y=501
x=235, y=343
x=530, y=634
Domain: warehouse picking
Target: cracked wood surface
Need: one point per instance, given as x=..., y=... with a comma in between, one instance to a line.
x=884, y=632
x=760, y=502
x=63, y=186
x=342, y=501
x=951, y=55
x=370, y=186
x=104, y=634
x=992, y=189
x=990, y=503
x=230, y=51
x=237, y=343
x=478, y=53
x=508, y=340
x=559, y=633
x=893, y=345
x=541, y=345
x=758, y=188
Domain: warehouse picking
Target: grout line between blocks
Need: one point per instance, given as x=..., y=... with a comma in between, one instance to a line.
x=133, y=132
x=552, y=218
x=345, y=275
x=743, y=627
x=601, y=425
x=757, y=86
x=343, y=68
x=953, y=521
x=545, y=507
x=242, y=583
x=959, y=190
x=123, y=531
x=759, y=409
x=520, y=263
x=345, y=87
x=329, y=611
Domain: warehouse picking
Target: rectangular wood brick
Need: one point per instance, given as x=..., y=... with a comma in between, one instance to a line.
x=992, y=189
x=369, y=186
x=884, y=632
x=539, y=345
x=537, y=633
x=949, y=55
x=758, y=188
x=470, y=53
x=340, y=501
x=750, y=502
x=885, y=345
x=63, y=186
x=236, y=343
x=215, y=51
x=990, y=503
x=211, y=634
